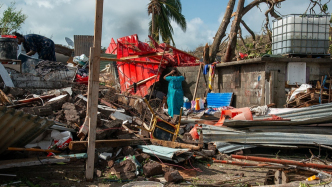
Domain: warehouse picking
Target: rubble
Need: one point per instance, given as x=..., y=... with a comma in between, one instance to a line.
x=136, y=139
x=173, y=176
x=152, y=169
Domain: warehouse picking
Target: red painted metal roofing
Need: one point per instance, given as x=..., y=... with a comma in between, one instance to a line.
x=132, y=71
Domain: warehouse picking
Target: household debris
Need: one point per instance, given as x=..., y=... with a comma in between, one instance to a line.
x=136, y=139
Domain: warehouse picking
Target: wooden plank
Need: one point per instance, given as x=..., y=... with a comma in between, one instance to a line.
x=93, y=89
x=5, y=77
x=4, y=99
x=82, y=145
x=141, y=56
x=175, y=144
x=197, y=81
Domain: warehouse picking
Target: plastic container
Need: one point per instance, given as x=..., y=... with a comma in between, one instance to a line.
x=301, y=34
x=187, y=105
x=197, y=105
x=8, y=48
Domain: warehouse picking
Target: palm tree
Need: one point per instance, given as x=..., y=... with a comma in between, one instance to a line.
x=163, y=11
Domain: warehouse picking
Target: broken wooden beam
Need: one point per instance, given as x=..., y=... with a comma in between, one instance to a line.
x=142, y=56
x=174, y=144
x=82, y=145
x=4, y=99
x=35, y=99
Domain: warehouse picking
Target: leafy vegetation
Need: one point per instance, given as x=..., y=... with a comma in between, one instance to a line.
x=11, y=20
x=163, y=12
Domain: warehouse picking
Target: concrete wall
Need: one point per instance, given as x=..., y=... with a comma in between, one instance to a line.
x=258, y=81
x=245, y=81
x=189, y=84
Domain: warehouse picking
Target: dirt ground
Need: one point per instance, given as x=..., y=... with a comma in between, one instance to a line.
x=72, y=174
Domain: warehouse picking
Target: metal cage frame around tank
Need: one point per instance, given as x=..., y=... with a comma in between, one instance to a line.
x=285, y=39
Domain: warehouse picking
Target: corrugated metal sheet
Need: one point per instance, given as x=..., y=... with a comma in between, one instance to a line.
x=216, y=100
x=82, y=44
x=166, y=153
x=224, y=147
x=217, y=134
x=18, y=129
x=309, y=115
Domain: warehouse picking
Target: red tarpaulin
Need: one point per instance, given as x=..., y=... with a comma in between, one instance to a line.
x=136, y=69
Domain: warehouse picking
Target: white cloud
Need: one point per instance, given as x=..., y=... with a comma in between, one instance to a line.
x=65, y=18
x=197, y=33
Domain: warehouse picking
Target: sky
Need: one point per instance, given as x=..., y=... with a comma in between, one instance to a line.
x=58, y=19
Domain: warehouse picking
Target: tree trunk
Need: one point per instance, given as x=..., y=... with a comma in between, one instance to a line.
x=233, y=34
x=206, y=58
x=221, y=31
x=153, y=30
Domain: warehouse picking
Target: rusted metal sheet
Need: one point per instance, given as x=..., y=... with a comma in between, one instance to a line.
x=18, y=128
x=82, y=44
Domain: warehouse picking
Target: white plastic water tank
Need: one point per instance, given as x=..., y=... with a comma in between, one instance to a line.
x=301, y=34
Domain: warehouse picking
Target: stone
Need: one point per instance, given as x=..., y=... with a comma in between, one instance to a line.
x=139, y=158
x=98, y=173
x=173, y=176
x=71, y=113
x=145, y=156
x=124, y=166
x=127, y=150
x=152, y=168
x=110, y=163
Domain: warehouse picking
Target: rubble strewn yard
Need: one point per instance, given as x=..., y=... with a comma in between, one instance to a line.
x=149, y=114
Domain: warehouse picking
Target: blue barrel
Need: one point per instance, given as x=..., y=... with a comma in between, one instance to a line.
x=187, y=105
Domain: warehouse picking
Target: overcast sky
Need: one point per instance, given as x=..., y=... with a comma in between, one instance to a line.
x=58, y=19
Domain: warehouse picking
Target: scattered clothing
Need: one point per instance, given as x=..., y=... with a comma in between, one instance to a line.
x=211, y=75
x=206, y=69
x=40, y=44
x=174, y=95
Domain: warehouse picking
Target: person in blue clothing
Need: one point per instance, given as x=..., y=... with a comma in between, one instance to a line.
x=175, y=92
x=34, y=43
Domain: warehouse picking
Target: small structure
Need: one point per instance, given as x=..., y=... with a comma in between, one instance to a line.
x=262, y=81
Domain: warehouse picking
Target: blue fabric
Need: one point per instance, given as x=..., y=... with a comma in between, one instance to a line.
x=206, y=69
x=42, y=45
x=175, y=94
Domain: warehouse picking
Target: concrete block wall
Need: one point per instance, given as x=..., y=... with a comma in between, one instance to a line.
x=249, y=91
x=189, y=84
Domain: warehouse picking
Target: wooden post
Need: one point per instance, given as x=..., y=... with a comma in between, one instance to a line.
x=93, y=89
x=198, y=76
